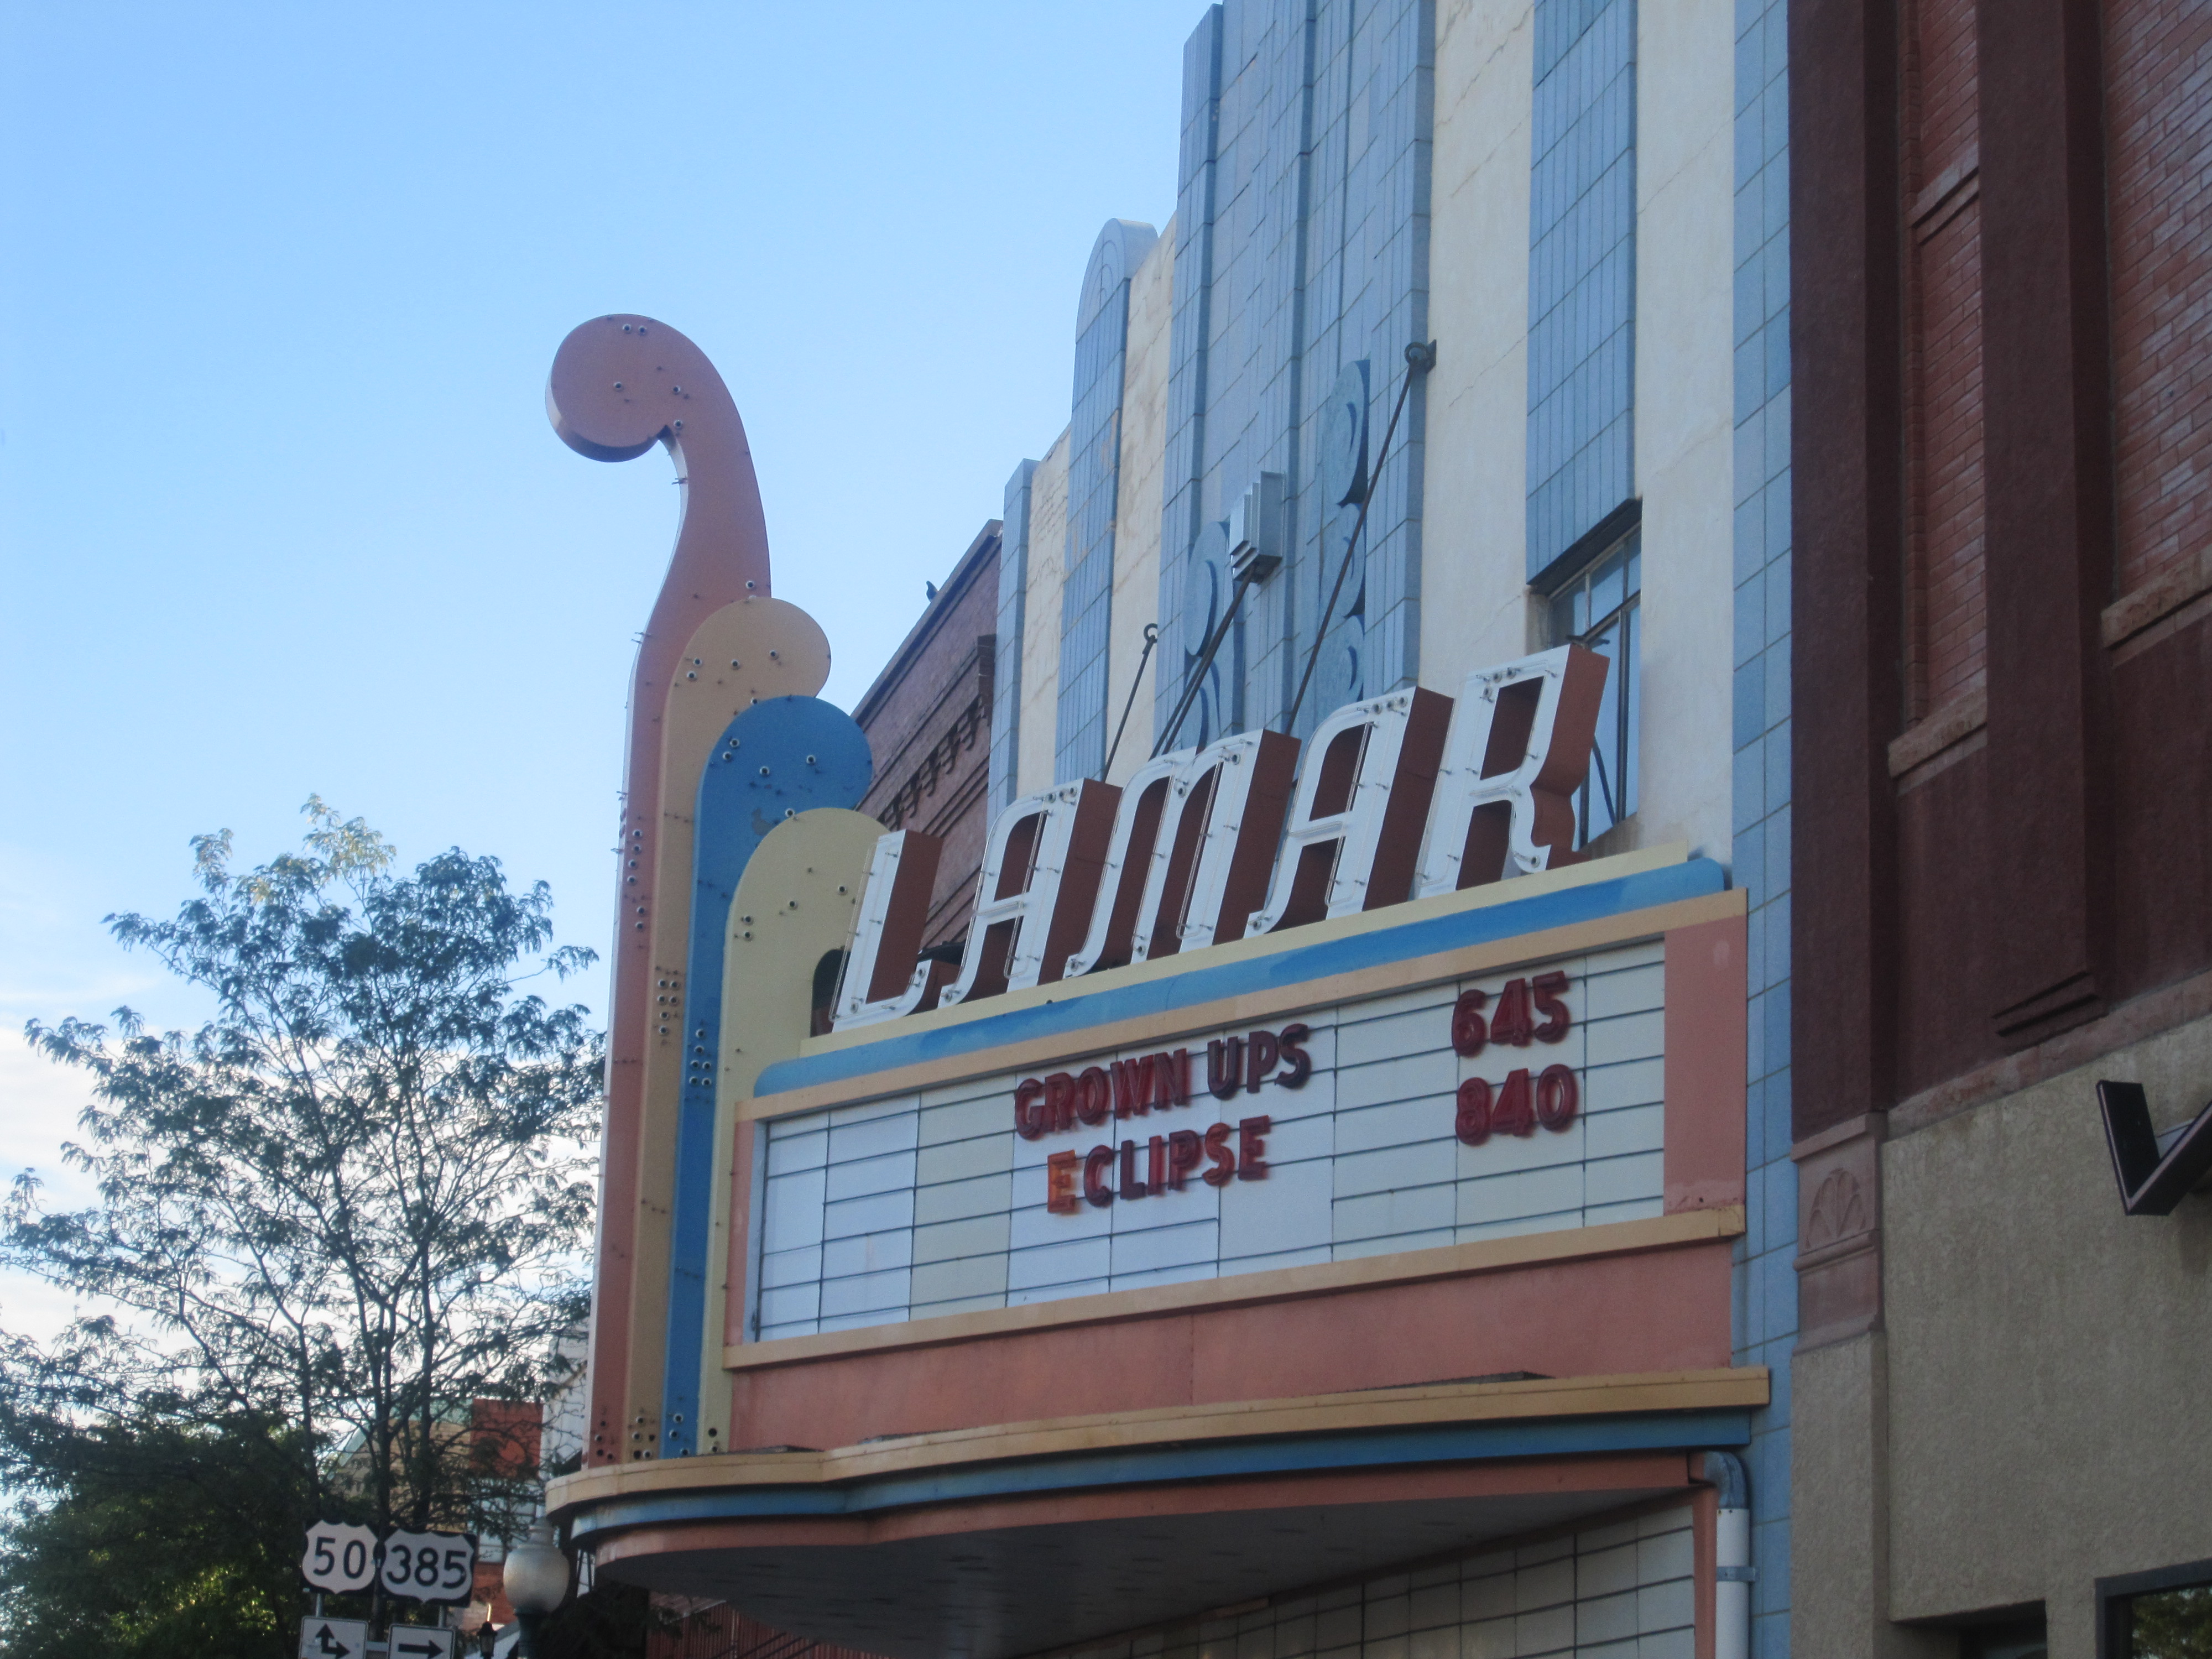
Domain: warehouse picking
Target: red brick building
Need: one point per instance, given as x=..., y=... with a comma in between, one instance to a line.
x=2002, y=335
x=928, y=721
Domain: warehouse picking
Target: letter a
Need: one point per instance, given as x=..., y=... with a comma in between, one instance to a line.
x=1354, y=838
x=1041, y=870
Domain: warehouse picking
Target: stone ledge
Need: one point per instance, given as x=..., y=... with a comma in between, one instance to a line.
x=1943, y=728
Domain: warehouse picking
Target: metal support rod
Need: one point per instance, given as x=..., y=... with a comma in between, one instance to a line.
x=1205, y=662
x=1151, y=639
x=1419, y=358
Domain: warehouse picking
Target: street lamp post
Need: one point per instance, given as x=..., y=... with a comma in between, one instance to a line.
x=537, y=1579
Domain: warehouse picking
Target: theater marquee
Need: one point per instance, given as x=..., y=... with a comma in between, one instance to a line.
x=1553, y=1056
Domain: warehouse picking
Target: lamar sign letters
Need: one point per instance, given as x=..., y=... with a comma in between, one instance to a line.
x=1410, y=794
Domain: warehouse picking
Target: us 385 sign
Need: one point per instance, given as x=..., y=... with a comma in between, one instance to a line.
x=430, y=1566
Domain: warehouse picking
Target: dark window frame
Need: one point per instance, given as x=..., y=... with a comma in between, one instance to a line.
x=2114, y=1593
x=1615, y=778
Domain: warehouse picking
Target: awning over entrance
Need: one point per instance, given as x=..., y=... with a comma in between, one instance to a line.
x=1004, y=1542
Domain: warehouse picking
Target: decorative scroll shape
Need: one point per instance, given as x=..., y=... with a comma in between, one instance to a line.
x=618, y=386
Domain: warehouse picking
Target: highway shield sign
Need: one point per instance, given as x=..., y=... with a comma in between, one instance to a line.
x=430, y=1566
x=339, y=1557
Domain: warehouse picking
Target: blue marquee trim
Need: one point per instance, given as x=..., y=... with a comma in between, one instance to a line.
x=1693, y=878
x=1152, y=1466
x=781, y=756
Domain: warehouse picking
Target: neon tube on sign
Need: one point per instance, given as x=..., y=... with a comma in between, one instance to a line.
x=1063, y=1102
x=1526, y=1010
x=1411, y=793
x=1518, y=1105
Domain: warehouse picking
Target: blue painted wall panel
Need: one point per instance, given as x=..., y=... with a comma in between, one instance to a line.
x=779, y=758
x=1581, y=272
x=1302, y=246
x=1094, y=476
x=1766, y=1279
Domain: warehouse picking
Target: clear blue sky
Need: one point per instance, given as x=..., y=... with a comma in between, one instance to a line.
x=280, y=511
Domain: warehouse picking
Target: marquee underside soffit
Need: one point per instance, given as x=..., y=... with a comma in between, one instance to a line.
x=1024, y=1587
x=989, y=1557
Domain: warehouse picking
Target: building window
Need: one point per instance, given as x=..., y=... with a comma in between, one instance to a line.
x=2023, y=1639
x=1598, y=607
x=2166, y=1624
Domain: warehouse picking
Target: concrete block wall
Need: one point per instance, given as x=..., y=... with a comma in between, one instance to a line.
x=1094, y=489
x=1767, y=1280
x=1013, y=620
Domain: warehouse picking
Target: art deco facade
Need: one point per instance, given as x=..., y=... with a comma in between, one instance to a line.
x=1410, y=1270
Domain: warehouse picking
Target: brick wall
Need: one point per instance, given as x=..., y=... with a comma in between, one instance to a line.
x=928, y=721
x=2158, y=54
x=504, y=1437
x=1946, y=632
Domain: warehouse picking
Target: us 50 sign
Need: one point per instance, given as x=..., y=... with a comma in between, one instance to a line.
x=339, y=1557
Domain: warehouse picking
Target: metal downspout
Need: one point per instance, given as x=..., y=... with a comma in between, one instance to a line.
x=1733, y=1573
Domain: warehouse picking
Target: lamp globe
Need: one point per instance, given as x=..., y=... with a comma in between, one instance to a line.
x=536, y=1580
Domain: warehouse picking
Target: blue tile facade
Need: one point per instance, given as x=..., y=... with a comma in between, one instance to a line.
x=1302, y=227
x=1094, y=484
x=1766, y=1281
x=1301, y=254
x=1006, y=665
x=1581, y=272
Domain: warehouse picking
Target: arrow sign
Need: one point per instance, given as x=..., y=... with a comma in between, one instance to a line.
x=421, y=1642
x=333, y=1638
